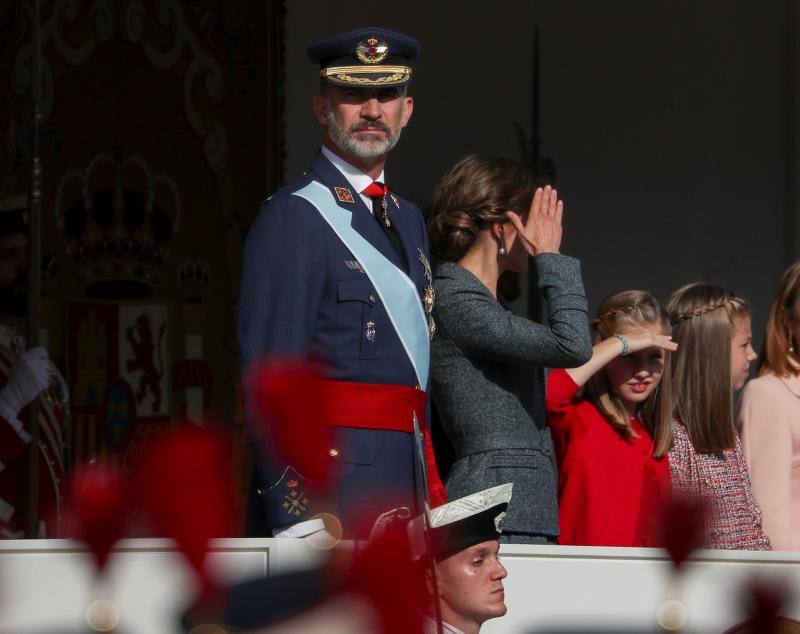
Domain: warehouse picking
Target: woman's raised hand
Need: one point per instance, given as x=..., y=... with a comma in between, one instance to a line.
x=542, y=231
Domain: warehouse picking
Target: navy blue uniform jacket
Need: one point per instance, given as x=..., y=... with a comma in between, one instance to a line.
x=302, y=295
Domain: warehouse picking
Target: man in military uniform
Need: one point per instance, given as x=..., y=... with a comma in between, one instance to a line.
x=336, y=270
x=24, y=375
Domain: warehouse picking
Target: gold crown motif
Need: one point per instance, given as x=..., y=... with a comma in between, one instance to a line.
x=118, y=219
x=194, y=276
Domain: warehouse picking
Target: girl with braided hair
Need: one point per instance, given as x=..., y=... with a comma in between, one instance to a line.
x=712, y=328
x=611, y=442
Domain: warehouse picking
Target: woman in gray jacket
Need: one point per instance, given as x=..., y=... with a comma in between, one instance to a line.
x=487, y=366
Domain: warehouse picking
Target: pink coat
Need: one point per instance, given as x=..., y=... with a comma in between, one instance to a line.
x=769, y=416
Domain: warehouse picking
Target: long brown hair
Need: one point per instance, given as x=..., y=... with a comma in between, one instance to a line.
x=475, y=193
x=703, y=320
x=776, y=353
x=617, y=312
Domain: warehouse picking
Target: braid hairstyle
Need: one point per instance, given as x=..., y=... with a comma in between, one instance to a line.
x=618, y=312
x=475, y=193
x=704, y=318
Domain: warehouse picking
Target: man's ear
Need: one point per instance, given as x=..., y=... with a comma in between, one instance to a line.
x=319, y=105
x=408, y=108
x=429, y=584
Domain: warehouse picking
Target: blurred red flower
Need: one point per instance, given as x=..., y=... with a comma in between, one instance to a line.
x=96, y=508
x=387, y=576
x=684, y=528
x=185, y=484
x=764, y=601
x=289, y=401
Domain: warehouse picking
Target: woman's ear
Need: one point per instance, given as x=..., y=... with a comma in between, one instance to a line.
x=498, y=230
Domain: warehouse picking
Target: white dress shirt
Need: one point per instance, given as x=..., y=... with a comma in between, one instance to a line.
x=429, y=627
x=358, y=180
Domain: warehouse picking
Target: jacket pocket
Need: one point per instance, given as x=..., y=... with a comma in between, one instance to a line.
x=352, y=447
x=355, y=319
x=520, y=461
x=533, y=507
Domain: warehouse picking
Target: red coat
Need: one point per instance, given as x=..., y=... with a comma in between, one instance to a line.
x=611, y=491
x=14, y=461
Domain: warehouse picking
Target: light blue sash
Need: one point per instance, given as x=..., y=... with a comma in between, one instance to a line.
x=398, y=293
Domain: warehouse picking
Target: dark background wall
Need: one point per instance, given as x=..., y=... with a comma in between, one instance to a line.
x=671, y=124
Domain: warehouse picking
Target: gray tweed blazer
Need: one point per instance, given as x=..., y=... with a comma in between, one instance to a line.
x=487, y=381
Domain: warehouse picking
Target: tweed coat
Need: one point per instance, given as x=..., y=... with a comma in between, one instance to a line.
x=722, y=481
x=487, y=381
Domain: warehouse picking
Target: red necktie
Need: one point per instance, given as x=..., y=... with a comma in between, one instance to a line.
x=376, y=189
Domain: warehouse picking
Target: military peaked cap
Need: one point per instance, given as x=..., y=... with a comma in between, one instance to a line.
x=365, y=58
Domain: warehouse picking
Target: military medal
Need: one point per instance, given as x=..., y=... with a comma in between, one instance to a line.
x=429, y=295
x=354, y=265
x=369, y=333
x=376, y=190
x=385, y=212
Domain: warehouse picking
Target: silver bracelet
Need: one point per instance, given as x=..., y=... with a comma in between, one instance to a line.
x=626, y=348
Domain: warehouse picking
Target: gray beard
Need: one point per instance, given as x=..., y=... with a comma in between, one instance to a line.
x=369, y=147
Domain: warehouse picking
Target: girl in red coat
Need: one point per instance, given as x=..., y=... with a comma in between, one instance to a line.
x=612, y=442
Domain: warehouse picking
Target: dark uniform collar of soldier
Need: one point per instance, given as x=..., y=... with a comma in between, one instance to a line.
x=371, y=57
x=262, y=602
x=468, y=521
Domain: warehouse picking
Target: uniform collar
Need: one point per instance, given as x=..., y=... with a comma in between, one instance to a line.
x=429, y=627
x=358, y=180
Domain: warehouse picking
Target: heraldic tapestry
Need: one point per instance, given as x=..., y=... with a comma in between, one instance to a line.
x=155, y=152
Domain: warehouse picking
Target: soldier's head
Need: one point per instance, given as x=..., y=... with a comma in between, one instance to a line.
x=471, y=585
x=13, y=255
x=13, y=240
x=363, y=103
x=469, y=574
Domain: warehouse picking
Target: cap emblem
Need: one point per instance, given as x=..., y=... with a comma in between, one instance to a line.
x=372, y=51
x=498, y=522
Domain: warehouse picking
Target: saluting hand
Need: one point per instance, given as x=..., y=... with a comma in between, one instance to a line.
x=642, y=338
x=542, y=231
x=609, y=349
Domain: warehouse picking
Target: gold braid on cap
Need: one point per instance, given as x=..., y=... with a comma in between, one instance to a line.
x=347, y=74
x=698, y=312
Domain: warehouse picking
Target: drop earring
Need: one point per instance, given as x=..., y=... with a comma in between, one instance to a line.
x=791, y=340
x=502, y=249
